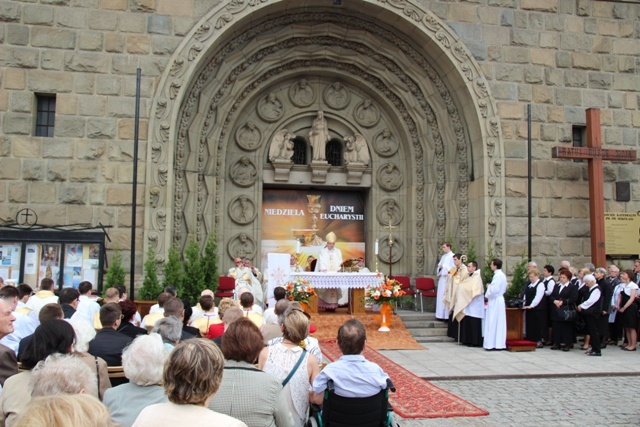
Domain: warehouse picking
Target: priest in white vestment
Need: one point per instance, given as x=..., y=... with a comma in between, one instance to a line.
x=245, y=279
x=329, y=260
x=495, y=323
x=445, y=264
x=469, y=308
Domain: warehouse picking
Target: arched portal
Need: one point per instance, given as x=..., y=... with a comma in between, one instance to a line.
x=389, y=72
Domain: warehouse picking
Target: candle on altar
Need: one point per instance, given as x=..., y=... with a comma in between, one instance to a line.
x=298, y=247
x=376, y=248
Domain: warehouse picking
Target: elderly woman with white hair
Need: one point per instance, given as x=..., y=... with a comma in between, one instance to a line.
x=591, y=309
x=143, y=362
x=84, y=334
x=62, y=374
x=170, y=330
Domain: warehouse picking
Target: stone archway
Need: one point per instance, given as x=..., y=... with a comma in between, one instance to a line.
x=428, y=92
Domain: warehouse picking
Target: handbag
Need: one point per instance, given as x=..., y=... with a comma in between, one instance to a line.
x=567, y=314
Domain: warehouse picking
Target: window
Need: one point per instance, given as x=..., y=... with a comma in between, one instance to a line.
x=578, y=137
x=334, y=152
x=299, y=151
x=46, y=114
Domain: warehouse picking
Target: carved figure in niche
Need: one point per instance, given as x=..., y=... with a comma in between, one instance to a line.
x=319, y=136
x=367, y=114
x=281, y=147
x=389, y=211
x=397, y=250
x=241, y=209
x=270, y=108
x=390, y=177
x=336, y=96
x=385, y=144
x=356, y=150
x=301, y=93
x=248, y=136
x=243, y=172
x=241, y=246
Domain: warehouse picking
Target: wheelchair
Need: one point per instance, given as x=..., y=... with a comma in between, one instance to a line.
x=338, y=411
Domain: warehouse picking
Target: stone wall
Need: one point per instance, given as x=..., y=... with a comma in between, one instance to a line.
x=561, y=56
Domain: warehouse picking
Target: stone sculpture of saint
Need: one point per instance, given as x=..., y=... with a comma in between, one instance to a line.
x=356, y=150
x=281, y=147
x=319, y=136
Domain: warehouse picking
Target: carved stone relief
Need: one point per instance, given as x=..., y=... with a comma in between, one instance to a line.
x=389, y=209
x=302, y=93
x=243, y=173
x=397, y=249
x=385, y=144
x=281, y=147
x=242, y=210
x=390, y=177
x=248, y=136
x=356, y=150
x=367, y=113
x=241, y=245
x=270, y=108
x=337, y=96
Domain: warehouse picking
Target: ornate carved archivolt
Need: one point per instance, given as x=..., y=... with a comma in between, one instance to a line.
x=173, y=141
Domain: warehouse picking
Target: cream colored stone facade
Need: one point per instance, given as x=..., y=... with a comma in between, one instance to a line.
x=447, y=81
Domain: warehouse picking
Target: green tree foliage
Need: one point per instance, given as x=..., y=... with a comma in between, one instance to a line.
x=472, y=254
x=194, y=277
x=173, y=271
x=151, y=286
x=210, y=263
x=518, y=278
x=115, y=274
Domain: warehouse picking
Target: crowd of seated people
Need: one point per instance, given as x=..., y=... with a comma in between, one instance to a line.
x=229, y=370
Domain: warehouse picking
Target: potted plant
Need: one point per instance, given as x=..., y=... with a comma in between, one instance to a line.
x=151, y=287
x=385, y=294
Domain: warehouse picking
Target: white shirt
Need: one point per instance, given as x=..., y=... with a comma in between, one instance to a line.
x=87, y=308
x=594, y=295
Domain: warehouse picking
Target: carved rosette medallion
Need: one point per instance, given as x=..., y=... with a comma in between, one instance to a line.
x=337, y=96
x=367, y=113
x=248, y=136
x=390, y=177
x=241, y=245
x=243, y=173
x=397, y=249
x=302, y=94
x=389, y=209
x=385, y=144
x=242, y=210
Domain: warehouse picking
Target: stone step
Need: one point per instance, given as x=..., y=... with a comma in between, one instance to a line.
x=428, y=332
x=417, y=323
x=426, y=340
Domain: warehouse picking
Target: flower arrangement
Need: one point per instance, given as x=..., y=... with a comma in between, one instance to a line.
x=388, y=291
x=300, y=290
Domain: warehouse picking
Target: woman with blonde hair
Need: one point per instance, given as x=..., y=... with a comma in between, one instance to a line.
x=191, y=377
x=77, y=410
x=292, y=364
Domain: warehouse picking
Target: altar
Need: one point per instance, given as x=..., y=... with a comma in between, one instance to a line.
x=355, y=282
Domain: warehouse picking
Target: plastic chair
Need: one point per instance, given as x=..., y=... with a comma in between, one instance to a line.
x=405, y=285
x=226, y=287
x=338, y=411
x=425, y=287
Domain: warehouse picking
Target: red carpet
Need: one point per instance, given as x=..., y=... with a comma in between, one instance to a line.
x=414, y=397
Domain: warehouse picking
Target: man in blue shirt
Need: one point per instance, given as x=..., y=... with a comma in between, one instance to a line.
x=352, y=374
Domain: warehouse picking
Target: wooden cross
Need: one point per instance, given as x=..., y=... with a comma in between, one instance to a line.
x=595, y=154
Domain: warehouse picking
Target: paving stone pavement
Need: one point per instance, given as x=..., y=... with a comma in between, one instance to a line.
x=542, y=387
x=585, y=401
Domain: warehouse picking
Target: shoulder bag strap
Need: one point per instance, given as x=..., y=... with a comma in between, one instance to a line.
x=97, y=373
x=295, y=368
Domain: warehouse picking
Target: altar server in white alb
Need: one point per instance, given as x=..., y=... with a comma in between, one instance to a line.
x=495, y=321
x=445, y=264
x=329, y=261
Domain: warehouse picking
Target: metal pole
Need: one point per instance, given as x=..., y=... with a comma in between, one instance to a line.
x=529, y=176
x=136, y=129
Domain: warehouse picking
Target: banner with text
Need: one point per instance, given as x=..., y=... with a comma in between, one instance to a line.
x=298, y=221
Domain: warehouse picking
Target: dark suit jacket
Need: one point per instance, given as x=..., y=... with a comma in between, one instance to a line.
x=131, y=330
x=23, y=344
x=190, y=330
x=8, y=363
x=109, y=344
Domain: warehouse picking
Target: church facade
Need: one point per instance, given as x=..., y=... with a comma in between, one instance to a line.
x=419, y=105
